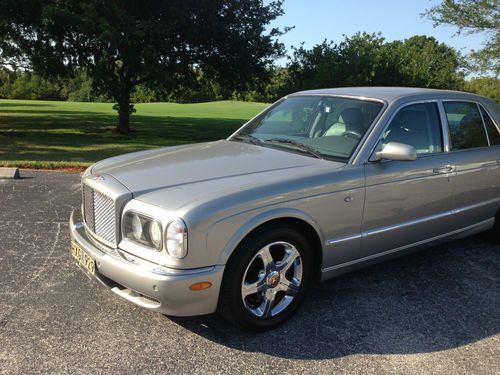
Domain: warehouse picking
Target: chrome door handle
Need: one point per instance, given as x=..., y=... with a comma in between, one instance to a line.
x=444, y=170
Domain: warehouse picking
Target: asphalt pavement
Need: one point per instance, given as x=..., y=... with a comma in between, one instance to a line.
x=437, y=311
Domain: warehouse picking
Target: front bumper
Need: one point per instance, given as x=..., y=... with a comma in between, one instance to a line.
x=146, y=284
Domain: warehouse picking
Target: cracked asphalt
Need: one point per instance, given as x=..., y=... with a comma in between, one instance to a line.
x=437, y=311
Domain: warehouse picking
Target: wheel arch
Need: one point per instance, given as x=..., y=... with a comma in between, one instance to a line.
x=300, y=221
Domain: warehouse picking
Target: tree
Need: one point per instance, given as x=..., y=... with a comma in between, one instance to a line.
x=154, y=43
x=424, y=62
x=486, y=86
x=367, y=60
x=356, y=61
x=473, y=16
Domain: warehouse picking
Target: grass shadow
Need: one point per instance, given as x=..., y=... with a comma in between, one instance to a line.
x=88, y=137
x=24, y=104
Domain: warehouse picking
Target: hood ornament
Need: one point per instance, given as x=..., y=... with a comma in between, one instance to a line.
x=98, y=177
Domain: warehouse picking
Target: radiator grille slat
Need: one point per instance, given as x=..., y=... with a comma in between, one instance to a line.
x=99, y=214
x=104, y=217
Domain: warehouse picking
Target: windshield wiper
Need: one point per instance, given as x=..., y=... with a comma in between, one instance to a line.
x=302, y=147
x=248, y=137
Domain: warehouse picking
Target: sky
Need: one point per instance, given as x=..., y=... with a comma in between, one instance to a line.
x=316, y=20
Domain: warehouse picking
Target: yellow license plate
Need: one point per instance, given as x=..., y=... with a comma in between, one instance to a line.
x=84, y=259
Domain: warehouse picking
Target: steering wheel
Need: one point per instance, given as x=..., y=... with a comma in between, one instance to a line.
x=352, y=134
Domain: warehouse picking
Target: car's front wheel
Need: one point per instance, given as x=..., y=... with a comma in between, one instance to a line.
x=496, y=229
x=266, y=278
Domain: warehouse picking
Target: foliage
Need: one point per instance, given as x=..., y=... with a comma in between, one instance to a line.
x=27, y=86
x=424, y=62
x=367, y=60
x=473, y=16
x=159, y=44
x=33, y=86
x=486, y=86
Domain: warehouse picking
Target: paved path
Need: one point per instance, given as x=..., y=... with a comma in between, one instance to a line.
x=437, y=311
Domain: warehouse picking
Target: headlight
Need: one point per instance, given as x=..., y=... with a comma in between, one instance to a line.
x=155, y=234
x=143, y=230
x=176, y=238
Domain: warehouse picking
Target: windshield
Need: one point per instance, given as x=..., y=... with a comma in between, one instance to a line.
x=320, y=126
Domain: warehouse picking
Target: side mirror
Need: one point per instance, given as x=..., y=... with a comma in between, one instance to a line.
x=394, y=151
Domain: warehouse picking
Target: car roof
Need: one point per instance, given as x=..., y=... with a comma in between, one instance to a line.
x=390, y=94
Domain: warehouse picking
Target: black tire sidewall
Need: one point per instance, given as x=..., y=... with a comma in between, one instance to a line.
x=240, y=261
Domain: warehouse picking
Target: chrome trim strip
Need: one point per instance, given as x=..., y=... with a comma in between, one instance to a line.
x=484, y=124
x=374, y=256
x=410, y=223
x=343, y=239
x=483, y=108
x=445, y=129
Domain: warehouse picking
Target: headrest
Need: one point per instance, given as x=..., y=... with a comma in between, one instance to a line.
x=413, y=120
x=351, y=116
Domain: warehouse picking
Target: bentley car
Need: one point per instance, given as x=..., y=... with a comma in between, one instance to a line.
x=320, y=183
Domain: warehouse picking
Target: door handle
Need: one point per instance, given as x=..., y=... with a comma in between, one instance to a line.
x=444, y=170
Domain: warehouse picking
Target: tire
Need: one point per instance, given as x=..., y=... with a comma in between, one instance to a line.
x=495, y=232
x=266, y=278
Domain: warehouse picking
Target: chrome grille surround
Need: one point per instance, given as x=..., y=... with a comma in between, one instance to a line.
x=99, y=214
x=88, y=206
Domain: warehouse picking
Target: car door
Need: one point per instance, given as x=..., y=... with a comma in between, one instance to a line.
x=475, y=146
x=409, y=202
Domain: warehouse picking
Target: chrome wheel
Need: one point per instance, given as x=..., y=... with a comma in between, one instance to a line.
x=272, y=279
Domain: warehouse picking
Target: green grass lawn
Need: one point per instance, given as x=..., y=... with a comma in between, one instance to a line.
x=48, y=134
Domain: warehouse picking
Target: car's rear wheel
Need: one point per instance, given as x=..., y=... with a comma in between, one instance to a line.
x=266, y=278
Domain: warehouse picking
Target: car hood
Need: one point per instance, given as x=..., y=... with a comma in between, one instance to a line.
x=203, y=169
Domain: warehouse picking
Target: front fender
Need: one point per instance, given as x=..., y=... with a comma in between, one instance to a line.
x=227, y=233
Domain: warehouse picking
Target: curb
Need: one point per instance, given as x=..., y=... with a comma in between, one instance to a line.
x=11, y=173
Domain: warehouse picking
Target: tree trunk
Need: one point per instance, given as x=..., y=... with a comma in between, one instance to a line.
x=124, y=113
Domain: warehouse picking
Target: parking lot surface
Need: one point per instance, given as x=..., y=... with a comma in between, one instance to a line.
x=437, y=311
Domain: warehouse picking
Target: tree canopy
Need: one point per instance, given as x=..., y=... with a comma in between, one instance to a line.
x=474, y=16
x=155, y=43
x=367, y=60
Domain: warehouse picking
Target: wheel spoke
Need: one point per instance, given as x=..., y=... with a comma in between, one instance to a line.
x=267, y=258
x=291, y=254
x=253, y=288
x=290, y=288
x=267, y=305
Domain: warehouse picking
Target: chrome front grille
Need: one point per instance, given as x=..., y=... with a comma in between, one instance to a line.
x=99, y=214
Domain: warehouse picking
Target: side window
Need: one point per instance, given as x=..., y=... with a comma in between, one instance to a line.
x=466, y=125
x=417, y=125
x=493, y=131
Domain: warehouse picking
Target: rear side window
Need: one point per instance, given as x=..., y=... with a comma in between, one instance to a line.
x=493, y=131
x=466, y=125
x=416, y=125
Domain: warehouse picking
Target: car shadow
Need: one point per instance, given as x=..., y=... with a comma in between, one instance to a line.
x=438, y=299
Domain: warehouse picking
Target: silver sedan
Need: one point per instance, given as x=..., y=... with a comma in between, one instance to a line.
x=320, y=183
